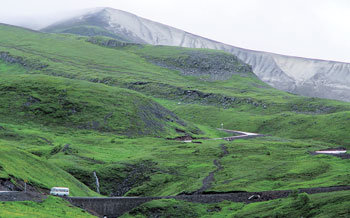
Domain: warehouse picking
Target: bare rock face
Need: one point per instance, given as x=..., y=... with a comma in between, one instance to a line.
x=308, y=77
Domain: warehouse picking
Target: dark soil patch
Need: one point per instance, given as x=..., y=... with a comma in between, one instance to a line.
x=180, y=131
x=182, y=138
x=12, y=184
x=7, y=185
x=13, y=190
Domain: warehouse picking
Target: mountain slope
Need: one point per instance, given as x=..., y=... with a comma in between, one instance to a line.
x=199, y=81
x=51, y=84
x=308, y=77
x=17, y=165
x=81, y=105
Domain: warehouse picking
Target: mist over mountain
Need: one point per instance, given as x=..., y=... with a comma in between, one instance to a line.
x=134, y=119
x=308, y=77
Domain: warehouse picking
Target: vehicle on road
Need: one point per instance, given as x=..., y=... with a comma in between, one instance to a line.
x=59, y=191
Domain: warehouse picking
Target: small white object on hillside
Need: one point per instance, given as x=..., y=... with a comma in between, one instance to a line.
x=331, y=152
x=59, y=191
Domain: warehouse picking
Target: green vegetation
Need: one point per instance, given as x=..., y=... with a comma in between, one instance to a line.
x=51, y=207
x=19, y=165
x=73, y=105
x=326, y=127
x=83, y=105
x=334, y=204
x=278, y=164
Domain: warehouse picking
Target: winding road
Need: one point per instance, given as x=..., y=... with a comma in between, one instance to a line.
x=240, y=135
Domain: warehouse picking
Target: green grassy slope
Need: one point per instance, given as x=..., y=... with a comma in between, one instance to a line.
x=51, y=207
x=18, y=165
x=278, y=164
x=326, y=127
x=317, y=205
x=79, y=105
x=89, y=27
x=86, y=30
x=57, y=101
x=131, y=67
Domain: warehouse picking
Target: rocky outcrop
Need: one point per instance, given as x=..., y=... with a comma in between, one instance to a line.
x=308, y=77
x=206, y=65
x=110, y=43
x=28, y=64
x=193, y=96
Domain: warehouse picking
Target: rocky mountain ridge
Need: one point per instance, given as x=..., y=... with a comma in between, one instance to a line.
x=308, y=77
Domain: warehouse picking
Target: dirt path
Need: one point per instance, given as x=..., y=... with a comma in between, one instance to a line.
x=207, y=181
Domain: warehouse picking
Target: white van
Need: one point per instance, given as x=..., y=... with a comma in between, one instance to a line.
x=59, y=191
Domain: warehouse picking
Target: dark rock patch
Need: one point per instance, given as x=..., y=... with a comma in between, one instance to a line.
x=180, y=130
x=31, y=100
x=110, y=43
x=166, y=91
x=182, y=138
x=46, y=140
x=27, y=64
x=206, y=65
x=67, y=148
x=8, y=185
x=13, y=184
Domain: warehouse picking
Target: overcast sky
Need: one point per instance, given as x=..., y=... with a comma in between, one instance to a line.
x=307, y=28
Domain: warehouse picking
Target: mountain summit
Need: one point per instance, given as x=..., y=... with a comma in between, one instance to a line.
x=308, y=77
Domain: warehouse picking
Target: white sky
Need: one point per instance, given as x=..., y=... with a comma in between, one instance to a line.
x=307, y=28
